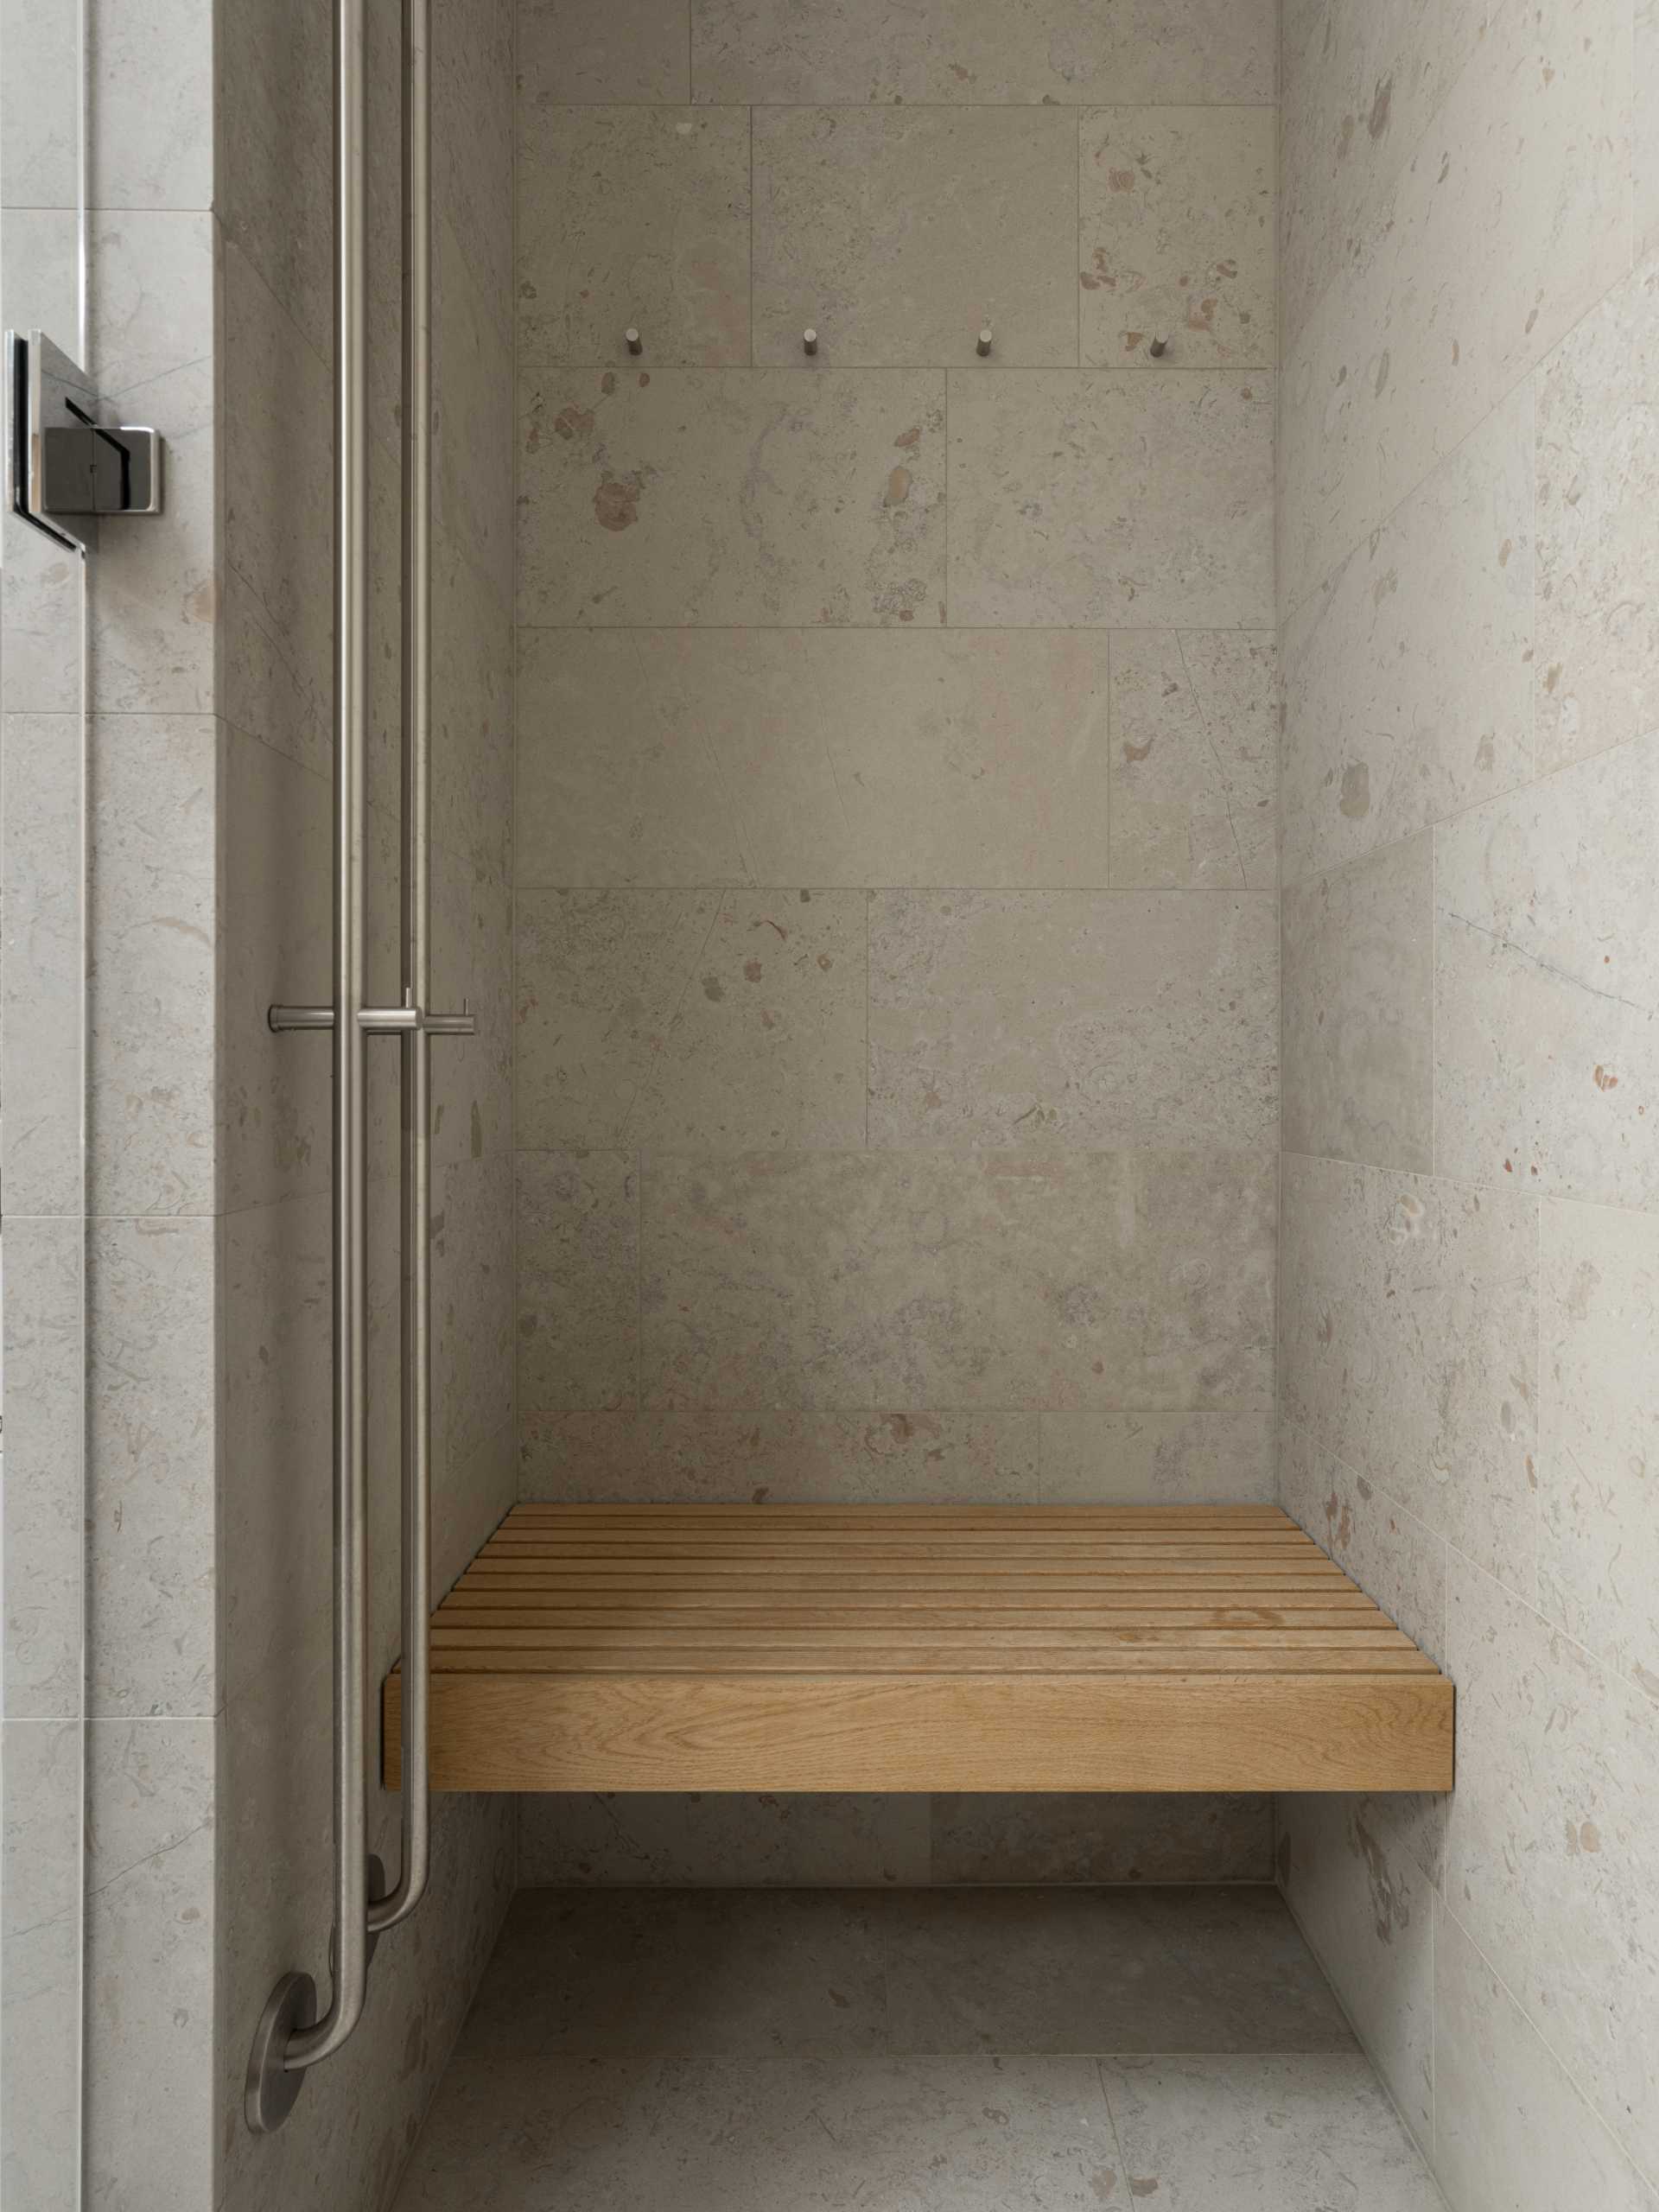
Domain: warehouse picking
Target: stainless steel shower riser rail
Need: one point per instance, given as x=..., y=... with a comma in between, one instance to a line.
x=291, y=2038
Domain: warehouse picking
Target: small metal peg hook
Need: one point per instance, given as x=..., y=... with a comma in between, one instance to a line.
x=1157, y=348
x=636, y=344
x=809, y=340
x=985, y=341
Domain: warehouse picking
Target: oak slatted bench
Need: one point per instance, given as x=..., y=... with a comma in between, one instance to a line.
x=920, y=1648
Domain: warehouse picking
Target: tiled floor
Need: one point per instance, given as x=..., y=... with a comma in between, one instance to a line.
x=934, y=2050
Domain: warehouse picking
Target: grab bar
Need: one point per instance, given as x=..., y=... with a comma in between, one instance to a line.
x=290, y=2037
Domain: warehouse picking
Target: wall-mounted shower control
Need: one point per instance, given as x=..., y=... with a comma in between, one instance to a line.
x=66, y=464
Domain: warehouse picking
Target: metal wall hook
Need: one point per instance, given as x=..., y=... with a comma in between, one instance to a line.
x=636, y=344
x=809, y=340
x=984, y=345
x=1157, y=348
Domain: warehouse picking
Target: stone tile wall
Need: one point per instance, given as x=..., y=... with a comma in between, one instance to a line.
x=1470, y=1285
x=896, y=944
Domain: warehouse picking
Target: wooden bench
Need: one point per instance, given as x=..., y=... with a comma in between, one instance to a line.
x=921, y=1648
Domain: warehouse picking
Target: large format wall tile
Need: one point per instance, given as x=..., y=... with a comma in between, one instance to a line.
x=1361, y=84
x=1392, y=1555
x=1598, y=1537
x=1367, y=1911
x=1194, y=758
x=1598, y=665
x=578, y=1232
x=691, y=1020
x=42, y=1765
x=152, y=1450
x=44, y=1355
x=800, y=499
x=634, y=216
x=1127, y=1279
x=896, y=233
x=755, y=1454
x=1102, y=499
x=1410, y=1334
x=1072, y=1019
x=1511, y=219
x=1177, y=236
x=1359, y=1009
x=1549, y=1843
x=829, y=757
x=1409, y=678
x=42, y=1052
x=1647, y=154
x=984, y=53
x=1036, y=1838
x=1514, y=2134
x=1091, y=1458
x=1546, y=938
x=602, y=50
x=153, y=979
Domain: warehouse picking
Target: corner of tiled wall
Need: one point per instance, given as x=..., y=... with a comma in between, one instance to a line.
x=1469, y=1261
x=896, y=989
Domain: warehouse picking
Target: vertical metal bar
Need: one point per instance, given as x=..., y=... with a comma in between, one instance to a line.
x=416, y=1044
x=311, y=2043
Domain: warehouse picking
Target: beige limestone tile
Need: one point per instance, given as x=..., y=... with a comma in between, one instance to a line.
x=822, y=757
x=40, y=108
x=278, y=926
x=1511, y=218
x=578, y=1259
x=1598, y=1539
x=691, y=1020
x=472, y=965
x=682, y=1973
x=473, y=483
x=1060, y=1018
x=1549, y=1843
x=279, y=509
x=1361, y=84
x=273, y=186
x=1597, y=663
x=472, y=691
x=984, y=54
x=1408, y=1345
x=1132, y=1280
x=1100, y=499
x=709, y=496
x=758, y=1281
x=933, y=2134
x=473, y=93
x=1359, y=1010
x=275, y=1495
x=1094, y=1458
x=1176, y=236
x=1407, y=674
x=153, y=972
x=44, y=1559
x=1394, y=1557
x=1194, y=760
x=1264, y=2134
x=150, y=1939
x=1547, y=983
x=1037, y=1838
x=752, y=1455
x=150, y=140
x=1514, y=2132
x=41, y=1784
x=602, y=50
x=152, y=1291
x=1368, y=1912
x=633, y=217
x=696, y=1839
x=1084, y=1969
x=473, y=1231
x=898, y=232
x=1647, y=159
x=42, y=1054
